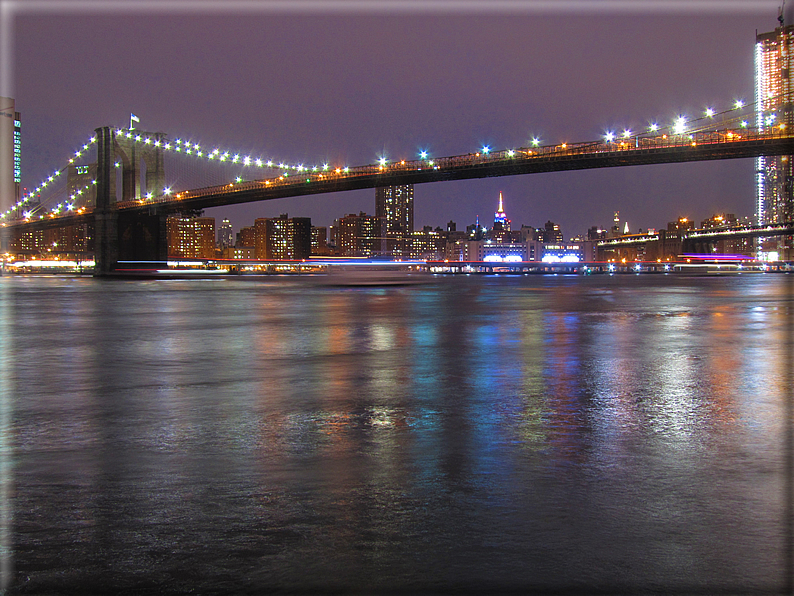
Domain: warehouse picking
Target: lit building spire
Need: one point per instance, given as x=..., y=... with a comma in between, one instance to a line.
x=500, y=217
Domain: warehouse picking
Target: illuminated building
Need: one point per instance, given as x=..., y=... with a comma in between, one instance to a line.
x=732, y=246
x=239, y=252
x=191, y=237
x=225, y=235
x=80, y=185
x=773, y=95
x=320, y=241
x=427, y=244
x=17, y=154
x=360, y=235
x=562, y=253
x=490, y=251
x=681, y=225
x=28, y=241
x=396, y=205
x=721, y=220
x=246, y=237
x=500, y=220
x=283, y=237
x=551, y=233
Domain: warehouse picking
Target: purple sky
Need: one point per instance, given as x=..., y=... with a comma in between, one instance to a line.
x=347, y=82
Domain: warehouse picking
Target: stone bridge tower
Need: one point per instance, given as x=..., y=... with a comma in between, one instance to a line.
x=130, y=155
x=122, y=235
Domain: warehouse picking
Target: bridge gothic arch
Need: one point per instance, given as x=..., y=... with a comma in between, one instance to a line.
x=142, y=165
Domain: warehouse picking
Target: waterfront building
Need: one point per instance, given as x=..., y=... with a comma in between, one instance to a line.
x=320, y=246
x=774, y=98
x=562, y=252
x=63, y=241
x=283, y=238
x=360, y=235
x=28, y=242
x=508, y=252
x=191, y=237
x=240, y=252
x=246, y=237
x=427, y=244
x=396, y=205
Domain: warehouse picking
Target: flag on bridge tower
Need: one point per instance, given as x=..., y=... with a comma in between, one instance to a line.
x=133, y=118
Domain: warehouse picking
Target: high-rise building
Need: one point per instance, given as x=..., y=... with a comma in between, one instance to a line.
x=396, y=205
x=500, y=220
x=9, y=164
x=320, y=241
x=774, y=110
x=17, y=155
x=80, y=185
x=283, y=237
x=246, y=237
x=360, y=235
x=551, y=233
x=191, y=237
x=225, y=235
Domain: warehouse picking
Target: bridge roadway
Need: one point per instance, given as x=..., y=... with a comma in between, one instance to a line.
x=700, y=146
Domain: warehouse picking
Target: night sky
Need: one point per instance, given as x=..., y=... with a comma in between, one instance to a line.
x=348, y=82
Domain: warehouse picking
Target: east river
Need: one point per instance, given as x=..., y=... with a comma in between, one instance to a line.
x=536, y=434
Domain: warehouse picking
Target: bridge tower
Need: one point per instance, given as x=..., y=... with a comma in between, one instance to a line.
x=130, y=155
x=121, y=236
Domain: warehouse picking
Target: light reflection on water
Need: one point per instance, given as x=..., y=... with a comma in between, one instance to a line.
x=481, y=433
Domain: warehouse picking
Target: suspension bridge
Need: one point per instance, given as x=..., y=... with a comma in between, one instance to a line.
x=128, y=205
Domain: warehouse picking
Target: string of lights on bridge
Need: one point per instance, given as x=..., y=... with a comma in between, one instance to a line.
x=681, y=125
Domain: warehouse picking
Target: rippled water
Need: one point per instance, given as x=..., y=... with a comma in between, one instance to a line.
x=479, y=433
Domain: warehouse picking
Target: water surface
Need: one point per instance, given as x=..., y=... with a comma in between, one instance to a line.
x=537, y=433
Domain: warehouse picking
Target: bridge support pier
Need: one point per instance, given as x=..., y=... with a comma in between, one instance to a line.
x=122, y=236
x=106, y=242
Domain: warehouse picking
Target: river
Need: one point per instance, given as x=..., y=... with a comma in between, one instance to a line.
x=565, y=434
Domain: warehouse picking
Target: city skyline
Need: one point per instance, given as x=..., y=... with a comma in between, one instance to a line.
x=647, y=196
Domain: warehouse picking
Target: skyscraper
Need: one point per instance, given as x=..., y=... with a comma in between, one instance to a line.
x=500, y=217
x=773, y=96
x=396, y=205
x=9, y=165
x=225, y=234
